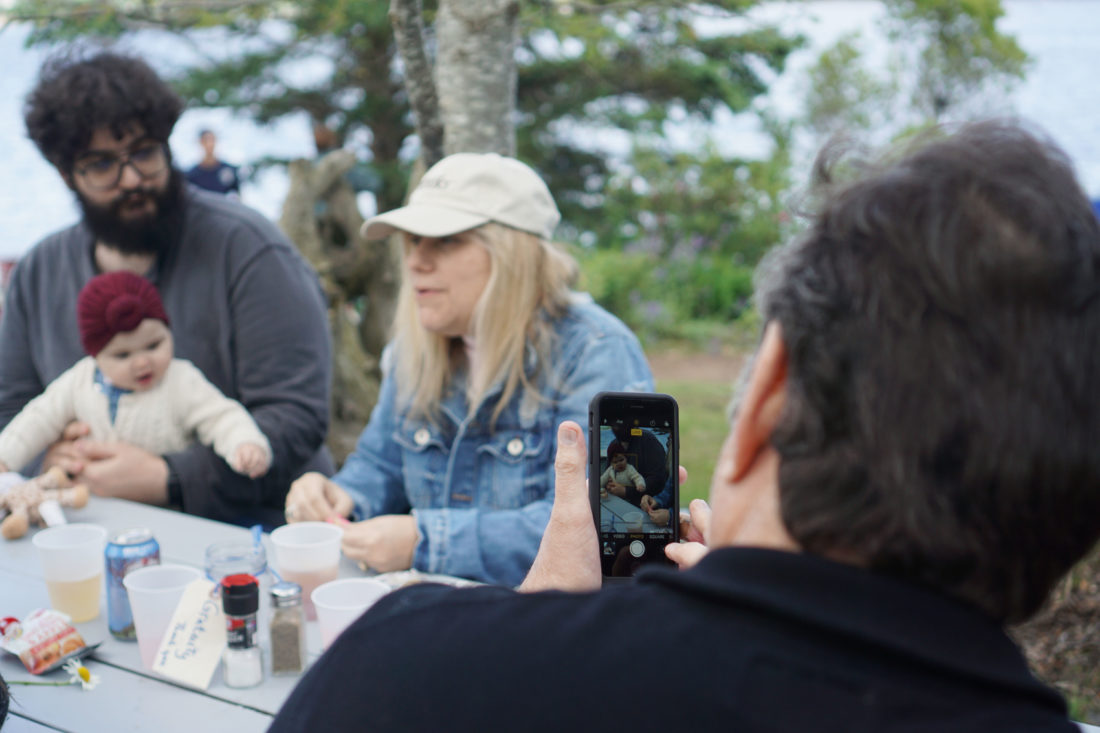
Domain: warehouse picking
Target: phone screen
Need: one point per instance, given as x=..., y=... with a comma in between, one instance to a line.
x=634, y=479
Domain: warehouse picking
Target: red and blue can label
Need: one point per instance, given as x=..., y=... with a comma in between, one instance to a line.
x=127, y=551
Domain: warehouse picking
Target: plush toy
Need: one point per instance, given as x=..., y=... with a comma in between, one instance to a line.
x=38, y=500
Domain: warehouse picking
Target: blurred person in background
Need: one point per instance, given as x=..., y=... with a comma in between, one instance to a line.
x=213, y=173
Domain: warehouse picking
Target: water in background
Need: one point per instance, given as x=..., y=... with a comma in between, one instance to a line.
x=1062, y=36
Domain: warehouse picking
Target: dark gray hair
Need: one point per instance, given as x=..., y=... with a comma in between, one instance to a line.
x=942, y=323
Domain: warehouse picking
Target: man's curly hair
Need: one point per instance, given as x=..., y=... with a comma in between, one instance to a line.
x=76, y=96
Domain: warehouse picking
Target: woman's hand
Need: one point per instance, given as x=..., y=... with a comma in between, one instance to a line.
x=313, y=498
x=384, y=543
x=658, y=516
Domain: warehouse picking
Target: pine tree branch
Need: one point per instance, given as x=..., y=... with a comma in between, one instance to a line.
x=131, y=17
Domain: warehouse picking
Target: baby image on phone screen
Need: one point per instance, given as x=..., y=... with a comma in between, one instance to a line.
x=621, y=478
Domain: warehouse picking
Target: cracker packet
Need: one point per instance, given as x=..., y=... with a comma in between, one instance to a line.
x=43, y=641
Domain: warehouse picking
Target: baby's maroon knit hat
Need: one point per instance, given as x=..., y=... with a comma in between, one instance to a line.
x=115, y=302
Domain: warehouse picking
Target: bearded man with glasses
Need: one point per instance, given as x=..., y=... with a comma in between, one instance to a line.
x=246, y=309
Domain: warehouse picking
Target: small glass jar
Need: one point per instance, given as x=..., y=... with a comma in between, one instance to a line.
x=232, y=557
x=288, y=629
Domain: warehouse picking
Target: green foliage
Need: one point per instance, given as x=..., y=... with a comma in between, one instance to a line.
x=635, y=70
x=841, y=93
x=703, y=428
x=603, y=64
x=683, y=299
x=947, y=57
x=695, y=205
x=681, y=238
x=961, y=49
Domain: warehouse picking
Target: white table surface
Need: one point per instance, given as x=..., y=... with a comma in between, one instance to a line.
x=129, y=697
x=613, y=509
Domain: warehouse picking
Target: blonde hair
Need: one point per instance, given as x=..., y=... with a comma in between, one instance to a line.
x=528, y=287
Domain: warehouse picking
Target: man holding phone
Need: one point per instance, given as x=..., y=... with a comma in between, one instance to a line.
x=911, y=465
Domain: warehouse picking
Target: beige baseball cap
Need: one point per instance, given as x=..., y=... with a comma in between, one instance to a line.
x=466, y=190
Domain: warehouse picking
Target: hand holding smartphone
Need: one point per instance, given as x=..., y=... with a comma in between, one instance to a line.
x=633, y=474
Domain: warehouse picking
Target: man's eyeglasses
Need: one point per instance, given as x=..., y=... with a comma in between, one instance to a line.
x=103, y=170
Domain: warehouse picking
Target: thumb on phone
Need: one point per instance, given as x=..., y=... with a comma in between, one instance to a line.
x=568, y=557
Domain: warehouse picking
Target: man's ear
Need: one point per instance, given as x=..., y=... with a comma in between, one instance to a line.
x=762, y=403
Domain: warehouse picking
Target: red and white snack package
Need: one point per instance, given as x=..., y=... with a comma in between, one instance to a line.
x=44, y=640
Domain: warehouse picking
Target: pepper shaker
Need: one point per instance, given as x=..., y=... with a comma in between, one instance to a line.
x=288, y=628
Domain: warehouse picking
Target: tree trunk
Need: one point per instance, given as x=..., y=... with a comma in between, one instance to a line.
x=475, y=74
x=321, y=217
x=475, y=85
x=407, y=17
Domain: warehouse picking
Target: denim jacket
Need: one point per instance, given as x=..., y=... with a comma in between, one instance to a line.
x=482, y=497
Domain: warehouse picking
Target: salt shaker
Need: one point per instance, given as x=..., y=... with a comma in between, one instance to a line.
x=240, y=601
x=288, y=628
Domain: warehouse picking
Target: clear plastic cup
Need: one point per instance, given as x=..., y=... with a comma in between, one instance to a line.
x=634, y=521
x=340, y=602
x=307, y=553
x=72, y=565
x=154, y=592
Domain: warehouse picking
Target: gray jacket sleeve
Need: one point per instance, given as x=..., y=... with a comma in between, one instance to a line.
x=19, y=380
x=283, y=370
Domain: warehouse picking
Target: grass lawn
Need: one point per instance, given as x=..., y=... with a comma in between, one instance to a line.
x=703, y=427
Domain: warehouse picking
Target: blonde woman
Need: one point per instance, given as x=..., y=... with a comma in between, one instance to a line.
x=492, y=351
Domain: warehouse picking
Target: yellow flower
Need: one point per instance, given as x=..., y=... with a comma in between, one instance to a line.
x=80, y=674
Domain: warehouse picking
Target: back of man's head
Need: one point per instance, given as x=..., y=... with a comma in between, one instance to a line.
x=942, y=327
x=76, y=96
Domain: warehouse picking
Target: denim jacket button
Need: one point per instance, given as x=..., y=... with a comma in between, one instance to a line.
x=421, y=436
x=515, y=446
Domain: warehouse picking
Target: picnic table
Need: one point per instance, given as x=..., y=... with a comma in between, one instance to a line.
x=129, y=697
x=613, y=516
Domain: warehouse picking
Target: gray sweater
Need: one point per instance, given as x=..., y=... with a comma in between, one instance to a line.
x=245, y=308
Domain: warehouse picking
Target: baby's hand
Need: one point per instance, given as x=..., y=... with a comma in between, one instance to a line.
x=249, y=460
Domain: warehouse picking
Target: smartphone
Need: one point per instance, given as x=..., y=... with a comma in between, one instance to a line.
x=634, y=479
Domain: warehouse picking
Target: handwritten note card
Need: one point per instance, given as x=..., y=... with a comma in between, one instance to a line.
x=195, y=638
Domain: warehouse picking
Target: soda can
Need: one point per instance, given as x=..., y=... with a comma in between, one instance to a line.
x=127, y=551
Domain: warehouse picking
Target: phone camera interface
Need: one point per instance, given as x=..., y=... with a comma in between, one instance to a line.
x=637, y=493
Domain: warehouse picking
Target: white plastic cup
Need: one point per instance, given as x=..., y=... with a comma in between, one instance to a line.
x=634, y=521
x=72, y=565
x=307, y=553
x=154, y=592
x=340, y=602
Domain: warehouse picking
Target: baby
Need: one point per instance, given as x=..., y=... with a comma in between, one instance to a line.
x=130, y=388
x=620, y=478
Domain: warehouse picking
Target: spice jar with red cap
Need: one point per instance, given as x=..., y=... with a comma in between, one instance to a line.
x=243, y=664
